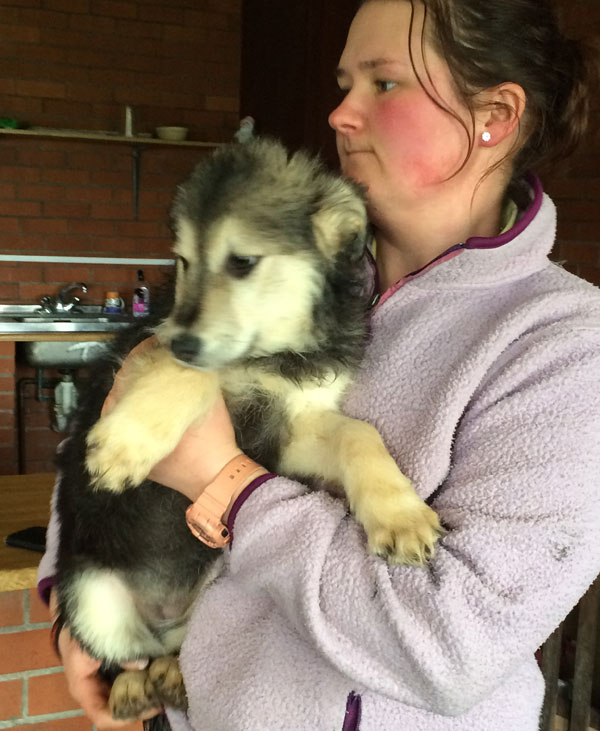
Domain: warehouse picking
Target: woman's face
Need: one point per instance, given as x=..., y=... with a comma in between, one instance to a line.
x=391, y=136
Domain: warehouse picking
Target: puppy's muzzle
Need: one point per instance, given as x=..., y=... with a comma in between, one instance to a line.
x=186, y=348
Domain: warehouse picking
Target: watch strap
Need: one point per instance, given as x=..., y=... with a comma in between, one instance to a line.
x=205, y=516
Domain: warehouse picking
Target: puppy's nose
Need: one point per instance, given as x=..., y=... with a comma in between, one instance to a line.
x=186, y=347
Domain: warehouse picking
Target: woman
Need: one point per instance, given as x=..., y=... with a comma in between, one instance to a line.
x=483, y=376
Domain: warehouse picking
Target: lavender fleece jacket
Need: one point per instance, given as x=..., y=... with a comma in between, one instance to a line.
x=483, y=376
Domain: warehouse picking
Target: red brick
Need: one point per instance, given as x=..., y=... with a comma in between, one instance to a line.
x=7, y=348
x=79, y=723
x=93, y=23
x=7, y=190
x=44, y=89
x=7, y=421
x=33, y=291
x=61, y=175
x=110, y=178
x=111, y=211
x=68, y=6
x=20, y=173
x=33, y=191
x=8, y=467
x=44, y=19
x=8, y=293
x=20, y=34
x=20, y=208
x=115, y=9
x=44, y=226
x=9, y=226
x=38, y=610
x=49, y=694
x=66, y=210
x=59, y=274
x=7, y=365
x=41, y=157
x=161, y=14
x=92, y=195
x=141, y=228
x=29, y=650
x=11, y=692
x=133, y=28
x=206, y=20
x=11, y=610
x=24, y=244
x=91, y=227
x=9, y=15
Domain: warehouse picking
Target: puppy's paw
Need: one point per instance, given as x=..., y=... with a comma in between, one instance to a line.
x=120, y=453
x=132, y=694
x=400, y=527
x=165, y=676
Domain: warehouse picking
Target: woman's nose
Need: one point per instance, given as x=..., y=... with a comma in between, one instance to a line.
x=346, y=117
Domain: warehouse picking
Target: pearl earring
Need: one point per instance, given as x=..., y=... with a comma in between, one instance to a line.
x=486, y=136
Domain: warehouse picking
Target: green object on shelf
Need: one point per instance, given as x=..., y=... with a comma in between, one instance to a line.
x=8, y=123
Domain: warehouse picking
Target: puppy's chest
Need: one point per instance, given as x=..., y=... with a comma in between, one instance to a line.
x=245, y=386
x=263, y=407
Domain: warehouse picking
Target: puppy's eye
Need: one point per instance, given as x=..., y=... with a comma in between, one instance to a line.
x=183, y=262
x=241, y=266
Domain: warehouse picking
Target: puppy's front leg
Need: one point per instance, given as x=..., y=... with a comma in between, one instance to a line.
x=351, y=453
x=161, y=399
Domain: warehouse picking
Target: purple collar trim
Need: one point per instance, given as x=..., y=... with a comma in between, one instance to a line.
x=476, y=242
x=481, y=242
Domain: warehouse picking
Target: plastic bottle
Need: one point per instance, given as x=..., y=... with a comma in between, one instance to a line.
x=65, y=402
x=141, y=297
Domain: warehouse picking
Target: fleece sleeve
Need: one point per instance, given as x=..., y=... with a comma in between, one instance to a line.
x=522, y=508
x=47, y=565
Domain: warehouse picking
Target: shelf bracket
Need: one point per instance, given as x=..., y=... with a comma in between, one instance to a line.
x=136, y=164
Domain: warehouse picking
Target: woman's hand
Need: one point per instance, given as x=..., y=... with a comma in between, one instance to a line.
x=85, y=686
x=205, y=448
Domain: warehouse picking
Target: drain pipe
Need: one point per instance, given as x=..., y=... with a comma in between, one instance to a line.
x=65, y=401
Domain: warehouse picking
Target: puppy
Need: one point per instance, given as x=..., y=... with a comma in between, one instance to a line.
x=270, y=309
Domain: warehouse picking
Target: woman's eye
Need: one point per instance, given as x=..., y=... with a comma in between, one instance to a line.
x=384, y=86
x=241, y=266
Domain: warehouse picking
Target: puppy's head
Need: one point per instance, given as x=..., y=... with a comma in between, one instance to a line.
x=257, y=233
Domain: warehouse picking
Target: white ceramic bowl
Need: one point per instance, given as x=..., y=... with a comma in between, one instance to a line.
x=173, y=134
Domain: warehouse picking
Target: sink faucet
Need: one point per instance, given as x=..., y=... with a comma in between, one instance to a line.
x=65, y=300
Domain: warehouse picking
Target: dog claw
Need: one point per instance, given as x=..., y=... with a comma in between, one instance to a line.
x=405, y=535
x=115, y=463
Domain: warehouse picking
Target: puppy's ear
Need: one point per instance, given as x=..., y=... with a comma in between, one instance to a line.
x=340, y=221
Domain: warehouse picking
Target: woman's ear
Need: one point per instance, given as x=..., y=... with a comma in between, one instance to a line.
x=501, y=113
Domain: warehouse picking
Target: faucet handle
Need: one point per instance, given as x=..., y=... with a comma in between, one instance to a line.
x=47, y=303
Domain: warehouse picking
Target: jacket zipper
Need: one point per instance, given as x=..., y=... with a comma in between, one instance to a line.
x=353, y=712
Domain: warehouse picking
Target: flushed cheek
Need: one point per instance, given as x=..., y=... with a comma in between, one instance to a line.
x=420, y=140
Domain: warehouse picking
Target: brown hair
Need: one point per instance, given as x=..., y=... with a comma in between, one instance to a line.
x=494, y=41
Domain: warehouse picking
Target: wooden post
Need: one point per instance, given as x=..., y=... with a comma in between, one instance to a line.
x=551, y=652
x=585, y=648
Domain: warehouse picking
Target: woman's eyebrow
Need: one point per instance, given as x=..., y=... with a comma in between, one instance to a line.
x=368, y=65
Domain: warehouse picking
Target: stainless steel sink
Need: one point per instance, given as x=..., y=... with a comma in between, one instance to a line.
x=83, y=318
x=63, y=354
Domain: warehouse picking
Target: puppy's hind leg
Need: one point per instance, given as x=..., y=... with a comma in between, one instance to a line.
x=161, y=399
x=351, y=453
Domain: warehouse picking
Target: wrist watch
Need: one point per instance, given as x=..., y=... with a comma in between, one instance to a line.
x=204, y=516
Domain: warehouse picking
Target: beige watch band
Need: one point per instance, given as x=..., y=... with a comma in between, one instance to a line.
x=204, y=516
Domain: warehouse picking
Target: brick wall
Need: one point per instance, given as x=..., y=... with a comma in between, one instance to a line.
x=75, y=64
x=33, y=690
x=575, y=187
